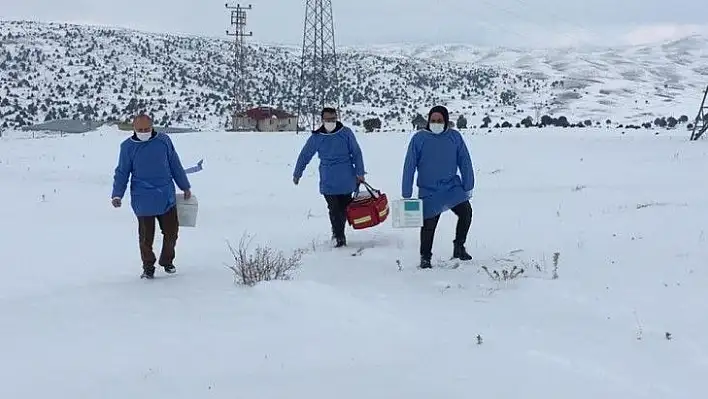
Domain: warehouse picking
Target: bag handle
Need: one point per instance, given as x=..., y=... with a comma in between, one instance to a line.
x=368, y=187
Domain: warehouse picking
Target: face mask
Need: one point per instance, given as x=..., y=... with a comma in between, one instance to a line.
x=143, y=136
x=330, y=126
x=437, y=128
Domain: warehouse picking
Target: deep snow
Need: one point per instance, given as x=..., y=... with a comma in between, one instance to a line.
x=627, y=214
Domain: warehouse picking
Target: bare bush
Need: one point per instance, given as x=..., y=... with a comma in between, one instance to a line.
x=505, y=275
x=263, y=264
x=512, y=267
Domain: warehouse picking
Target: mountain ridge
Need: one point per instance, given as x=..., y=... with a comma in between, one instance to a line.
x=54, y=70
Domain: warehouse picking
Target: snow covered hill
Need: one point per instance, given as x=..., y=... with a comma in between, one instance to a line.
x=626, y=317
x=57, y=71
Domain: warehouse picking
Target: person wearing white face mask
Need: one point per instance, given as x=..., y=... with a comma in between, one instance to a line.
x=341, y=168
x=149, y=160
x=436, y=153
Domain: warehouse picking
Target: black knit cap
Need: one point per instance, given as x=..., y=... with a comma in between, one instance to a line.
x=443, y=111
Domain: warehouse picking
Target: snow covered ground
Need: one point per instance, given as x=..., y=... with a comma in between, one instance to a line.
x=626, y=317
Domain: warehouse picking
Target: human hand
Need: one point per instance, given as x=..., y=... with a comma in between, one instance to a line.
x=187, y=194
x=296, y=180
x=360, y=179
x=116, y=202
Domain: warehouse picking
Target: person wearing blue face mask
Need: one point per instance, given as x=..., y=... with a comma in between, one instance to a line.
x=341, y=168
x=436, y=153
x=150, y=161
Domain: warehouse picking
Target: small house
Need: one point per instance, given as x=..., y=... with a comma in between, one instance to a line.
x=265, y=119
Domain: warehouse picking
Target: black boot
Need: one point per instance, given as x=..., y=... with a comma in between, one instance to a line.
x=464, y=221
x=427, y=235
x=148, y=272
x=170, y=269
x=425, y=263
x=459, y=252
x=337, y=205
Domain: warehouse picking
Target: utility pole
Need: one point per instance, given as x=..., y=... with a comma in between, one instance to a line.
x=135, y=83
x=238, y=22
x=319, y=84
x=138, y=109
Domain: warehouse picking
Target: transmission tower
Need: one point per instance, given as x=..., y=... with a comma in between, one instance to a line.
x=701, y=124
x=319, y=83
x=238, y=22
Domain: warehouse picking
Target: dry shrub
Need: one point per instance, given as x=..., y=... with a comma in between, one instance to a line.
x=263, y=264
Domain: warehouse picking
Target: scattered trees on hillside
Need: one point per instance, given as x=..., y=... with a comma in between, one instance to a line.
x=419, y=122
x=108, y=74
x=461, y=122
x=371, y=124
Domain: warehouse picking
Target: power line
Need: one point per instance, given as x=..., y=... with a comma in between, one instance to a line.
x=701, y=123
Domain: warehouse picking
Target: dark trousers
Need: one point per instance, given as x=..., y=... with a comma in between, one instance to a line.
x=337, y=205
x=146, y=235
x=427, y=232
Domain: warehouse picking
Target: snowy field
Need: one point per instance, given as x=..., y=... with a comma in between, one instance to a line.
x=627, y=316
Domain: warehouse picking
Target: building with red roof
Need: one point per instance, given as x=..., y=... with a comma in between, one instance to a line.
x=265, y=119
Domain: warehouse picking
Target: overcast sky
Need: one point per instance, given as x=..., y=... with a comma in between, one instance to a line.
x=522, y=23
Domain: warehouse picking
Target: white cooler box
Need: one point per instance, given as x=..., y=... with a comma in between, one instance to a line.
x=187, y=210
x=407, y=213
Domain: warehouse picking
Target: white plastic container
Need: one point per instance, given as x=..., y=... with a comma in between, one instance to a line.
x=187, y=210
x=407, y=213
